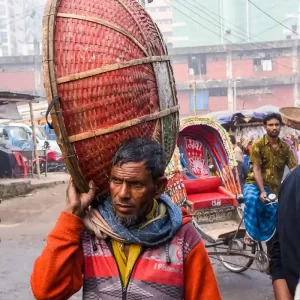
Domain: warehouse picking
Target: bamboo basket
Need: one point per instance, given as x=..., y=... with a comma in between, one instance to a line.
x=108, y=78
x=291, y=116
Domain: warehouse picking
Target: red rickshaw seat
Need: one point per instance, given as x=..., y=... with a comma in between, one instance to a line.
x=208, y=193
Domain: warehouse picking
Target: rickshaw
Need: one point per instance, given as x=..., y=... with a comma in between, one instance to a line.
x=203, y=178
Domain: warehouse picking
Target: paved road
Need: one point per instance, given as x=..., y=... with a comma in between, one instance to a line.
x=24, y=227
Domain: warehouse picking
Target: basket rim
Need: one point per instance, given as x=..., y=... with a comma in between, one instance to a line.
x=50, y=78
x=283, y=113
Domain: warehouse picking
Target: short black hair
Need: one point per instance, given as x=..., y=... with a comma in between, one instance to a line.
x=272, y=116
x=232, y=139
x=143, y=149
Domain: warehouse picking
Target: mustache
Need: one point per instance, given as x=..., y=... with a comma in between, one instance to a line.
x=124, y=202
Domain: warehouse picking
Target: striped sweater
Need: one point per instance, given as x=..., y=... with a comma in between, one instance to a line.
x=72, y=258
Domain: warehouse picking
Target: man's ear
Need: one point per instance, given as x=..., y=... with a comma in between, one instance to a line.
x=160, y=186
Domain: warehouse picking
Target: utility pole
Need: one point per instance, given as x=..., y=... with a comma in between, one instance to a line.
x=222, y=29
x=230, y=88
x=295, y=59
x=234, y=95
x=37, y=77
x=295, y=65
x=36, y=154
x=37, y=67
x=296, y=73
x=195, y=96
x=248, y=21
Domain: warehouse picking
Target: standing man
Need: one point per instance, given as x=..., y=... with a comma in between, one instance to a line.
x=238, y=153
x=268, y=159
x=136, y=243
x=241, y=166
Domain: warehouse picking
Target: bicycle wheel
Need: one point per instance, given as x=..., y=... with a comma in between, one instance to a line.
x=236, y=263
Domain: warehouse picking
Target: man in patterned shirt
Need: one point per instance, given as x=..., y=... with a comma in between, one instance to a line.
x=269, y=157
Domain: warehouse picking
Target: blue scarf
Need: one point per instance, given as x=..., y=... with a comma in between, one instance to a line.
x=153, y=233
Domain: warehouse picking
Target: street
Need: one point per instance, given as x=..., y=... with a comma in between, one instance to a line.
x=26, y=222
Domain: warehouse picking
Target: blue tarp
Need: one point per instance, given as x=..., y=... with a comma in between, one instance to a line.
x=243, y=116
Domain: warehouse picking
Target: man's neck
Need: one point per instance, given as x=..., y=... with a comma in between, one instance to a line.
x=273, y=141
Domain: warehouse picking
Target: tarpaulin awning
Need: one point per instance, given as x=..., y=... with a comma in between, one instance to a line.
x=8, y=104
x=243, y=116
x=9, y=111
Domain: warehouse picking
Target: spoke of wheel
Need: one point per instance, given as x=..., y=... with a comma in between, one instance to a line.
x=233, y=250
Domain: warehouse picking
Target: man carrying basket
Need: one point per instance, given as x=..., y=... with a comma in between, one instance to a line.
x=136, y=243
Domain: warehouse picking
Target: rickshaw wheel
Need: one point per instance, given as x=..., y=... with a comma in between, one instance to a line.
x=236, y=264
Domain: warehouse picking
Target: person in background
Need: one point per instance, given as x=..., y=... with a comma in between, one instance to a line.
x=269, y=157
x=241, y=166
x=238, y=153
x=291, y=143
x=134, y=244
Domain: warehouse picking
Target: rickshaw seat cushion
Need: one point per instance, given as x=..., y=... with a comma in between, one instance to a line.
x=207, y=192
x=202, y=185
x=207, y=200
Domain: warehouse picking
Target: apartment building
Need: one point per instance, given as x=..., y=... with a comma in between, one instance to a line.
x=20, y=26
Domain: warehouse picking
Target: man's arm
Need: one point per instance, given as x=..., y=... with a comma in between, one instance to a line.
x=259, y=181
x=258, y=177
x=255, y=159
x=281, y=290
x=57, y=273
x=199, y=278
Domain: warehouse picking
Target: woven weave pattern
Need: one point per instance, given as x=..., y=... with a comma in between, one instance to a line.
x=92, y=34
x=291, y=116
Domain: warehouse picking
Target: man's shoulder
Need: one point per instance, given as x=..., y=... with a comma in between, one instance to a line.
x=285, y=144
x=259, y=143
x=258, y=146
x=189, y=234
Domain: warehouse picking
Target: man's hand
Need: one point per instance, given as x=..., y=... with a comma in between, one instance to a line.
x=78, y=203
x=263, y=196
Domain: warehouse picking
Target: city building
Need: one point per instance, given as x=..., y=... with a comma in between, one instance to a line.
x=161, y=13
x=20, y=26
x=235, y=77
x=213, y=22
x=11, y=28
x=243, y=76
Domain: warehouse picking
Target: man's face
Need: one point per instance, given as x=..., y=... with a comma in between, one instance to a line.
x=132, y=191
x=273, y=128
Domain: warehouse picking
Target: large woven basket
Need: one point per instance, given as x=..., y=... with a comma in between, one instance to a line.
x=106, y=64
x=291, y=116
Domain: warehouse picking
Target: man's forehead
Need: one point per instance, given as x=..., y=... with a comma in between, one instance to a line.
x=129, y=169
x=140, y=164
x=273, y=121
